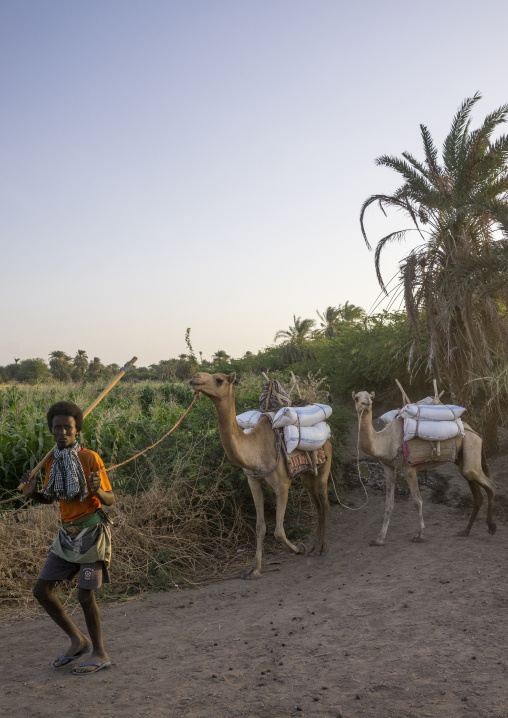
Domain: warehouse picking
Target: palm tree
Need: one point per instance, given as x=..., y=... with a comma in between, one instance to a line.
x=333, y=317
x=60, y=365
x=458, y=209
x=80, y=362
x=299, y=333
x=165, y=369
x=350, y=313
x=295, y=338
x=95, y=368
x=330, y=320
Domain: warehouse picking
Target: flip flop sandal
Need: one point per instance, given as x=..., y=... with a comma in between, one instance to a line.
x=70, y=659
x=99, y=667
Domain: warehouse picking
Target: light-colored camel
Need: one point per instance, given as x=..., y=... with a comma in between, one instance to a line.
x=386, y=445
x=259, y=454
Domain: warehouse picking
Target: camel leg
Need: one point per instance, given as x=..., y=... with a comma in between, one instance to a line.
x=280, y=484
x=472, y=470
x=259, y=503
x=317, y=486
x=390, y=497
x=477, y=504
x=411, y=477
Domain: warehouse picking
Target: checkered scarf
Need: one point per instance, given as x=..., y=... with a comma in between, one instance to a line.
x=66, y=479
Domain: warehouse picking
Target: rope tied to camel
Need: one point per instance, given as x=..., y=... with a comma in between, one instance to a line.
x=148, y=448
x=278, y=446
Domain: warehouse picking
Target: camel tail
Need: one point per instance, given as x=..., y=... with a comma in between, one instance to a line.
x=485, y=466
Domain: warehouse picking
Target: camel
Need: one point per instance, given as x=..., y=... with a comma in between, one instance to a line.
x=386, y=445
x=258, y=453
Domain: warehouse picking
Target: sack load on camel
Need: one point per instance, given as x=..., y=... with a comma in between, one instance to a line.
x=428, y=420
x=302, y=425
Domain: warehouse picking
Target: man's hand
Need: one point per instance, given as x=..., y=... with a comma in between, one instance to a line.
x=95, y=482
x=29, y=484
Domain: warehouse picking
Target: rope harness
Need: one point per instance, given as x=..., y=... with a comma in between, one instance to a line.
x=278, y=445
x=140, y=453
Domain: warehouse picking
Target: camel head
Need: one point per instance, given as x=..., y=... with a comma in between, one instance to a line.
x=363, y=400
x=215, y=386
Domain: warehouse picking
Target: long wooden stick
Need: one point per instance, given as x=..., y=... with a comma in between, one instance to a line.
x=92, y=406
x=405, y=397
x=270, y=385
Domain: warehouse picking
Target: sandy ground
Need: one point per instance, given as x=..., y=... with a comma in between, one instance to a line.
x=401, y=631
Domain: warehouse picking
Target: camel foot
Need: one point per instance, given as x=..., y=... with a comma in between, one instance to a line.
x=250, y=575
x=322, y=550
x=302, y=549
x=376, y=542
x=492, y=529
x=318, y=549
x=418, y=539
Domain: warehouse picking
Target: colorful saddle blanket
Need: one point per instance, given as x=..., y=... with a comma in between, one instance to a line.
x=302, y=461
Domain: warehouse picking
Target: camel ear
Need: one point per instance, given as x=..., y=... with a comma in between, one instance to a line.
x=354, y=395
x=231, y=377
x=372, y=394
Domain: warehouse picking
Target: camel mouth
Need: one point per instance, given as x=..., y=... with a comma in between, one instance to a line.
x=197, y=386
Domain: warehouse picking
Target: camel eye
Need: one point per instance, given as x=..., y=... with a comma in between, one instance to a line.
x=219, y=381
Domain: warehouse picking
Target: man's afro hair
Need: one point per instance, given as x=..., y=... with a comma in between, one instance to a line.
x=65, y=408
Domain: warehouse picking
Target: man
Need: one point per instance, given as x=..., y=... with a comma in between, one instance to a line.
x=76, y=477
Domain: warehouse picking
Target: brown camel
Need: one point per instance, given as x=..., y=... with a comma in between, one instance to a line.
x=259, y=454
x=386, y=445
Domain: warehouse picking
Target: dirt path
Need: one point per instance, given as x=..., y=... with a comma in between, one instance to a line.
x=401, y=631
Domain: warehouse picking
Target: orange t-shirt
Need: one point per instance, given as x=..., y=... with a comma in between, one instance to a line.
x=91, y=462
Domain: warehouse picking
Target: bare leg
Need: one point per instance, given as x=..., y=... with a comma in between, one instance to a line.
x=44, y=592
x=390, y=497
x=259, y=503
x=412, y=480
x=93, y=623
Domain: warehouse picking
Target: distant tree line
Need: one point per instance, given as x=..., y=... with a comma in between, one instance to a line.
x=294, y=344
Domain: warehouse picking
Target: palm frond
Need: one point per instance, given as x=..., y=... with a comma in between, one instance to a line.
x=458, y=128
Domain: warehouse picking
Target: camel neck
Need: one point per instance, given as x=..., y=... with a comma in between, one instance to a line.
x=232, y=437
x=367, y=434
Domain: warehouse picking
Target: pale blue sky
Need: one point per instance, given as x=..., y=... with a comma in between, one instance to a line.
x=202, y=164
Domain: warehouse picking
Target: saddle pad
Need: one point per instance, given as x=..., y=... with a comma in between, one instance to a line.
x=299, y=461
x=418, y=451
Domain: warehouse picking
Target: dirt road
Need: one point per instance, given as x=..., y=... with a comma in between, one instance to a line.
x=401, y=631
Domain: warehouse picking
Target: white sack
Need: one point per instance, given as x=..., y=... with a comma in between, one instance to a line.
x=312, y=437
x=389, y=416
x=304, y=415
x=432, y=430
x=435, y=412
x=248, y=419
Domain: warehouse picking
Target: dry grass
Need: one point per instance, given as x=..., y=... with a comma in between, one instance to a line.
x=166, y=536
